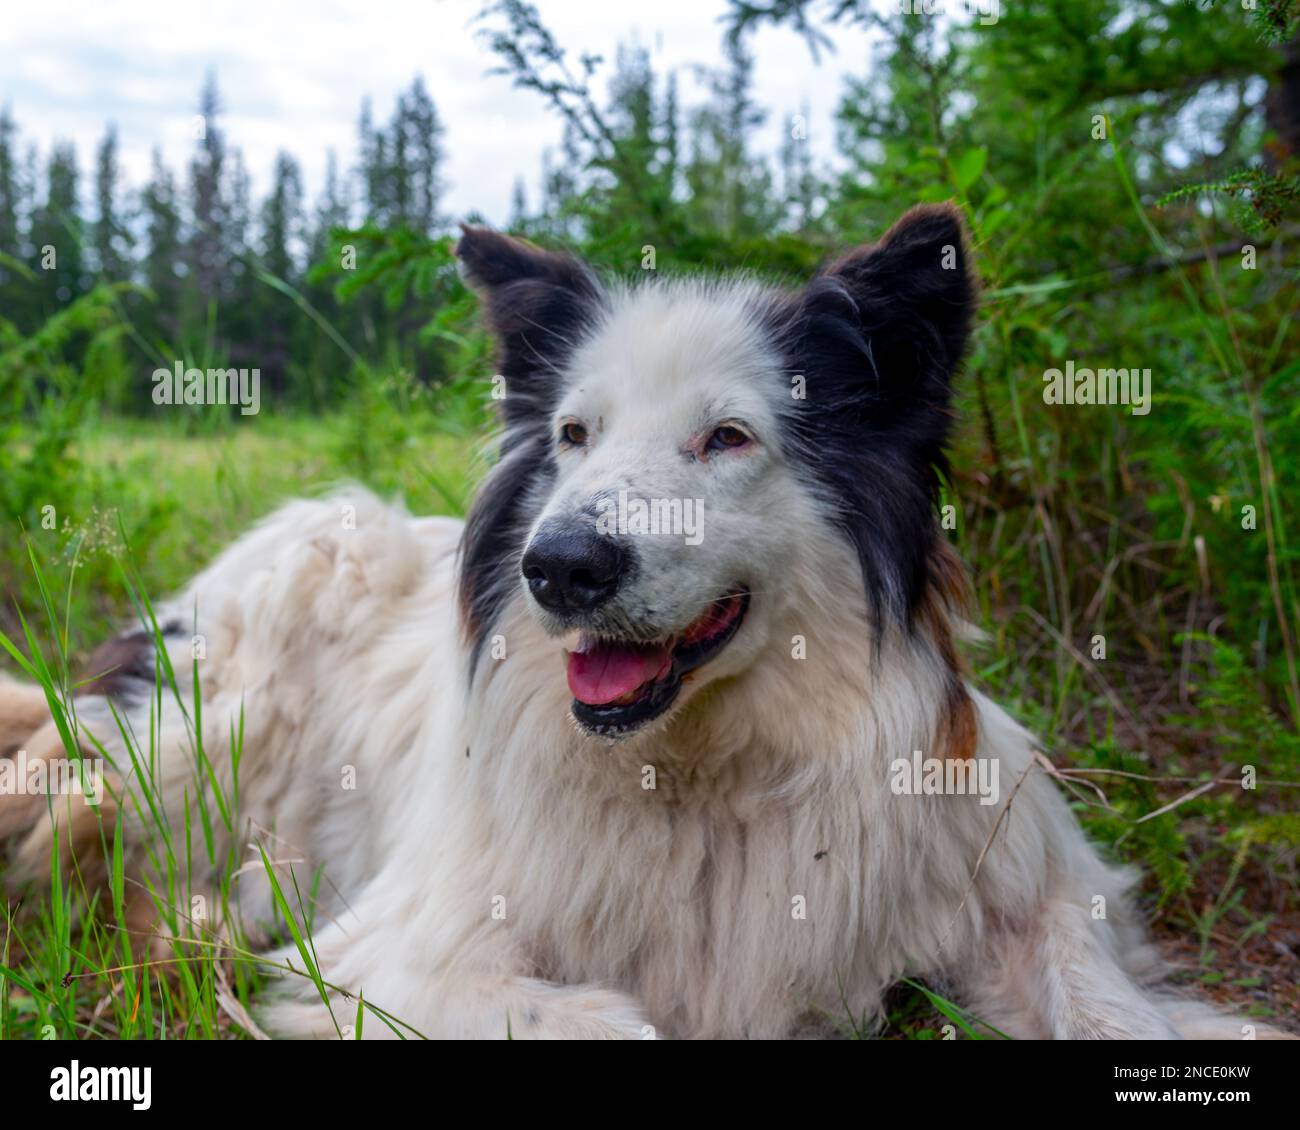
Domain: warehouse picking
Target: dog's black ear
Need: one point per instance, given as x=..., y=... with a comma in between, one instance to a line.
x=538, y=303
x=914, y=298
x=877, y=337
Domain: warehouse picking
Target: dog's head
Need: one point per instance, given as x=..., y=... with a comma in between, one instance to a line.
x=668, y=448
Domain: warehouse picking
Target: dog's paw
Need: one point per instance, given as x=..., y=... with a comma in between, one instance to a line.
x=285, y=1018
x=586, y=1012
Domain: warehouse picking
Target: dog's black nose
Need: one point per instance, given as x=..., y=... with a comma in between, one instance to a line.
x=573, y=570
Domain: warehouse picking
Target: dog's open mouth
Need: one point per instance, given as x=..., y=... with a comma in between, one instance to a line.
x=618, y=685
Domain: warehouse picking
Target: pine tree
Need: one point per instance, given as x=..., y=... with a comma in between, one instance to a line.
x=239, y=208
x=207, y=249
x=163, y=251
x=281, y=233
x=397, y=170
x=424, y=131
x=112, y=236
x=58, y=235
x=282, y=225
x=13, y=290
x=9, y=184
x=240, y=315
x=371, y=170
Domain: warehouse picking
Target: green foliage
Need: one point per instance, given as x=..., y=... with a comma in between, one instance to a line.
x=1276, y=20
x=1265, y=198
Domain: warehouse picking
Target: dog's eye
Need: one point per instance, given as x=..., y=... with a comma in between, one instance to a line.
x=573, y=434
x=727, y=437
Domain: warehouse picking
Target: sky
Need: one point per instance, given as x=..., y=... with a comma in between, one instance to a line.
x=292, y=74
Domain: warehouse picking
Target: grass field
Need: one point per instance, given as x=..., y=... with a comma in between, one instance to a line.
x=176, y=498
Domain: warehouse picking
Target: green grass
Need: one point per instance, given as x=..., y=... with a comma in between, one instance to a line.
x=174, y=499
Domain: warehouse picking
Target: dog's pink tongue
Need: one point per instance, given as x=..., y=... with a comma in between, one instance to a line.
x=601, y=672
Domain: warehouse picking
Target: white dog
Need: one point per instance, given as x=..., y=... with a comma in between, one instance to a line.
x=670, y=737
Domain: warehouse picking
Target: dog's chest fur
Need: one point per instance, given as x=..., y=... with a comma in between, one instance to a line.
x=734, y=892
x=697, y=909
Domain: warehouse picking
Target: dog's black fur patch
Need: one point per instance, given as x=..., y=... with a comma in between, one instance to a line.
x=878, y=336
x=539, y=304
x=123, y=668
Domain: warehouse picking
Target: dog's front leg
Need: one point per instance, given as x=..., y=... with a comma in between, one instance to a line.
x=466, y=1007
x=1068, y=973
x=478, y=994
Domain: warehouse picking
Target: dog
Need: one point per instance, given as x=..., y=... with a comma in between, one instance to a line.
x=627, y=753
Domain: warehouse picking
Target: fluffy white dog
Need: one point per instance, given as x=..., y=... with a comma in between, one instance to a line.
x=670, y=737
